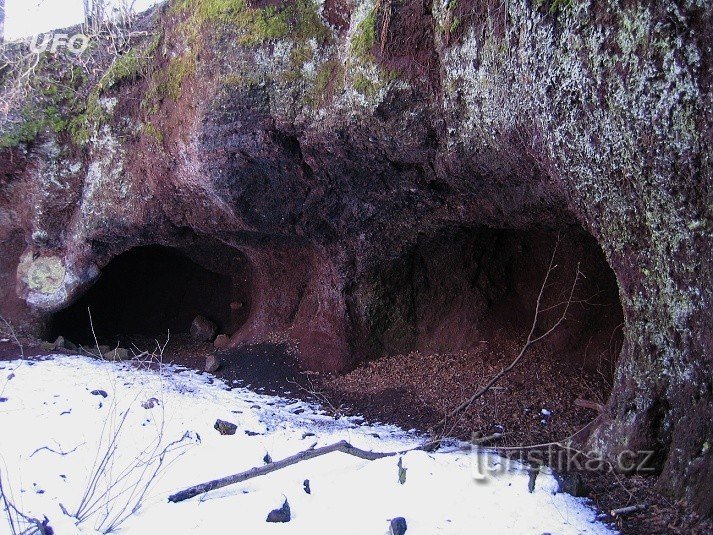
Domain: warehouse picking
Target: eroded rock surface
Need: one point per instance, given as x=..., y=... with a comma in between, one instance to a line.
x=374, y=178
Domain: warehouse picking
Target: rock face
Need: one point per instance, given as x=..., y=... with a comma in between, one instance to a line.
x=371, y=178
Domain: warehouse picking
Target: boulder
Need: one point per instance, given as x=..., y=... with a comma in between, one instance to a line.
x=203, y=330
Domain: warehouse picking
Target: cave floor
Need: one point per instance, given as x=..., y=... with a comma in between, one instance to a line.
x=534, y=404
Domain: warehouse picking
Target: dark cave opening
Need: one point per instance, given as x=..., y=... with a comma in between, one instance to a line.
x=468, y=286
x=149, y=291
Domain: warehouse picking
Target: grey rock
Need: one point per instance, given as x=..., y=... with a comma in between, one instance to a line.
x=282, y=514
x=225, y=428
x=212, y=363
x=203, y=330
x=117, y=354
x=398, y=526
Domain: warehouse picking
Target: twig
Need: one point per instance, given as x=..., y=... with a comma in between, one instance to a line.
x=9, y=330
x=60, y=452
x=621, y=511
x=531, y=338
x=341, y=446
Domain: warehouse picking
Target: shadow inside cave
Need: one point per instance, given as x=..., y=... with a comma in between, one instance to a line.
x=149, y=291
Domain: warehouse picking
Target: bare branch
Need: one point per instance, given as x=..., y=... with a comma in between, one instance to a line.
x=311, y=453
x=531, y=338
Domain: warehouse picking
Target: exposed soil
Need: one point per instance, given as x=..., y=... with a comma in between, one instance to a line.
x=415, y=390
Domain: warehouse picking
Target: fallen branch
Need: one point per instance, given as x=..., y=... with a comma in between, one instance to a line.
x=342, y=446
x=621, y=511
x=531, y=339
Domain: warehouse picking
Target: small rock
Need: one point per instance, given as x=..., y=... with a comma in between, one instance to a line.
x=222, y=341
x=117, y=354
x=47, y=347
x=212, y=364
x=267, y=459
x=150, y=403
x=280, y=515
x=398, y=526
x=203, y=330
x=306, y=486
x=101, y=393
x=3, y=400
x=62, y=343
x=225, y=428
x=104, y=349
x=251, y=433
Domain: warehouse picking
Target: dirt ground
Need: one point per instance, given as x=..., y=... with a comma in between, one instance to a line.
x=533, y=404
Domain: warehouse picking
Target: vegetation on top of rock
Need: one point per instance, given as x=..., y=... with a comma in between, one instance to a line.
x=299, y=20
x=58, y=92
x=51, y=97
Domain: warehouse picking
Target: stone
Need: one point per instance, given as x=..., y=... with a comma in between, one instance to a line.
x=222, y=341
x=212, y=363
x=203, y=330
x=225, y=428
x=306, y=486
x=101, y=393
x=282, y=514
x=118, y=354
x=150, y=403
x=398, y=526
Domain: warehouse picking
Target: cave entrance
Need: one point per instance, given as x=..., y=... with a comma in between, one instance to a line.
x=468, y=286
x=452, y=311
x=148, y=291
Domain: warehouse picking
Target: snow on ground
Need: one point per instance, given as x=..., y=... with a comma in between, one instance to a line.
x=54, y=430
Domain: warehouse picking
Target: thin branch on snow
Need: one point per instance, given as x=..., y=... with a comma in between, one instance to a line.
x=342, y=446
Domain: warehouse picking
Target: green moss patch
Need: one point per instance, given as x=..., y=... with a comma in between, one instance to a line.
x=299, y=20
